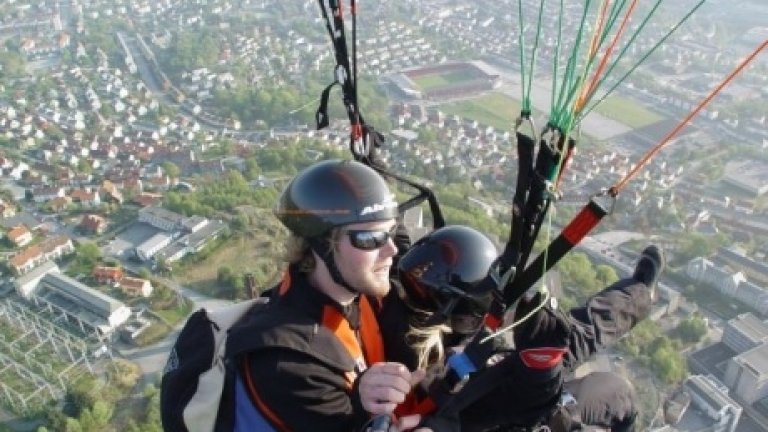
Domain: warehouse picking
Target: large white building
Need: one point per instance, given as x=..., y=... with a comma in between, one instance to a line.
x=27, y=283
x=161, y=218
x=714, y=402
x=83, y=307
x=744, y=333
x=153, y=245
x=734, y=285
x=747, y=374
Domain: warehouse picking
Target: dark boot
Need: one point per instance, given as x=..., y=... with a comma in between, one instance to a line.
x=649, y=267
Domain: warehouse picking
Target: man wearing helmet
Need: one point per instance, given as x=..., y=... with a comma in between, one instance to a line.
x=298, y=361
x=448, y=280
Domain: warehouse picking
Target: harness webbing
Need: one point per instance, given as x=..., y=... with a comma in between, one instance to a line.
x=334, y=22
x=593, y=212
x=570, y=236
x=511, y=254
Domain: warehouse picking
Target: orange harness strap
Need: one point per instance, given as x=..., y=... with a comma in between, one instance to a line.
x=371, y=351
x=263, y=408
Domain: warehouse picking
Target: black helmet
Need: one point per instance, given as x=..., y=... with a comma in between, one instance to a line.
x=452, y=266
x=331, y=194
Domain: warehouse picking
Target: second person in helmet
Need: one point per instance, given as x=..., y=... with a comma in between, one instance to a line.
x=447, y=282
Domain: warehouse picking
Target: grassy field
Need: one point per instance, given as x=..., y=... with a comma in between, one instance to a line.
x=493, y=109
x=258, y=250
x=437, y=80
x=242, y=255
x=499, y=110
x=627, y=112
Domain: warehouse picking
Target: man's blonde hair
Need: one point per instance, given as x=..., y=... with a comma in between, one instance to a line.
x=299, y=254
x=298, y=251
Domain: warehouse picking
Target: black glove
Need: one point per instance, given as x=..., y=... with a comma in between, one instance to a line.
x=369, y=155
x=542, y=339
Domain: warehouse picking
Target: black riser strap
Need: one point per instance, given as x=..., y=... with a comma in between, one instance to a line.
x=511, y=254
x=570, y=236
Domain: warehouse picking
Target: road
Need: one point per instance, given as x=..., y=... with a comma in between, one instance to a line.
x=151, y=359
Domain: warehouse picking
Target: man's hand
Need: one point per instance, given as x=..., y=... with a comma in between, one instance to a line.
x=385, y=385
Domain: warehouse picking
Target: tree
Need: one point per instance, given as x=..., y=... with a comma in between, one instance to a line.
x=84, y=166
x=238, y=287
x=252, y=169
x=578, y=271
x=163, y=266
x=697, y=245
x=100, y=414
x=123, y=374
x=606, y=274
x=12, y=65
x=73, y=425
x=692, y=329
x=171, y=169
x=224, y=275
x=88, y=253
x=144, y=273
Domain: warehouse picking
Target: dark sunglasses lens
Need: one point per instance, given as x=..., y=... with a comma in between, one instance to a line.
x=368, y=240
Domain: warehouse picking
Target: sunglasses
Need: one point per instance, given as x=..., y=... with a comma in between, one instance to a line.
x=369, y=239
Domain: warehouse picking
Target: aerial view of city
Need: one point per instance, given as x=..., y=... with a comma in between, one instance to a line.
x=144, y=145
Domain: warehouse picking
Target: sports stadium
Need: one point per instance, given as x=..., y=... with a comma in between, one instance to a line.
x=445, y=81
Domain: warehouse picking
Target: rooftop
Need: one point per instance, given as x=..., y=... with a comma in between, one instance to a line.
x=95, y=301
x=707, y=391
x=750, y=326
x=756, y=360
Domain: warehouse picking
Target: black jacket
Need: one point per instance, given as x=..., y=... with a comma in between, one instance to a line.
x=299, y=368
x=524, y=397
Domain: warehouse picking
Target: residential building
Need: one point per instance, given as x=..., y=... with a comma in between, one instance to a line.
x=34, y=255
x=85, y=197
x=94, y=224
x=757, y=271
x=134, y=287
x=105, y=274
x=19, y=235
x=749, y=175
x=46, y=193
x=7, y=210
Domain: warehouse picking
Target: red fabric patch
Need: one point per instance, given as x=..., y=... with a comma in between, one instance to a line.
x=542, y=358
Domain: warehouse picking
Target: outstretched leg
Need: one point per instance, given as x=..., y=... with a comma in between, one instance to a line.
x=614, y=311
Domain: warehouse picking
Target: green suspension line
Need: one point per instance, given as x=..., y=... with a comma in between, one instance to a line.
x=642, y=59
x=556, y=111
x=555, y=64
x=580, y=115
x=525, y=102
x=527, y=107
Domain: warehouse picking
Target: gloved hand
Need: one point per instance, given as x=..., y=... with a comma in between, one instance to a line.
x=369, y=155
x=542, y=339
